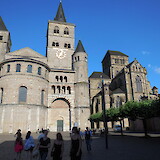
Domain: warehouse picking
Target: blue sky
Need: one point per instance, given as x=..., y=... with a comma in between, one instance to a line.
x=129, y=26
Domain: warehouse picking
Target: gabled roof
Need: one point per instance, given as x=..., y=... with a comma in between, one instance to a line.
x=117, y=90
x=99, y=75
x=80, y=47
x=60, y=14
x=118, y=53
x=130, y=64
x=2, y=25
x=154, y=87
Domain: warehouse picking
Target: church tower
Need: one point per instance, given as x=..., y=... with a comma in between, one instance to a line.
x=80, y=65
x=60, y=42
x=5, y=41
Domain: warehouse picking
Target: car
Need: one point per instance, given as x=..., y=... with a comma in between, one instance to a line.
x=117, y=128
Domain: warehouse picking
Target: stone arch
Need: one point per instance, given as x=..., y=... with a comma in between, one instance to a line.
x=60, y=103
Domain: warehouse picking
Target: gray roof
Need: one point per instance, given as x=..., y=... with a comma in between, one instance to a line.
x=99, y=75
x=2, y=25
x=80, y=47
x=117, y=90
x=118, y=53
x=60, y=14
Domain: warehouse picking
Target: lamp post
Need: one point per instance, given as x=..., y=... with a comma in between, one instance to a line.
x=104, y=116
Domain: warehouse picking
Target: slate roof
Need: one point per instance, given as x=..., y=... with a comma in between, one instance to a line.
x=98, y=75
x=80, y=47
x=60, y=14
x=2, y=25
x=117, y=90
x=116, y=53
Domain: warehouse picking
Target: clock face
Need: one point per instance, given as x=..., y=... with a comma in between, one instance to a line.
x=61, y=53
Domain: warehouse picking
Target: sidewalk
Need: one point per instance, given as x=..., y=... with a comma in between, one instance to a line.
x=131, y=146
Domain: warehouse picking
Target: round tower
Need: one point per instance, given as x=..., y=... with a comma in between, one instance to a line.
x=80, y=65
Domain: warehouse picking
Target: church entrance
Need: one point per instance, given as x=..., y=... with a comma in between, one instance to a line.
x=59, y=125
x=59, y=115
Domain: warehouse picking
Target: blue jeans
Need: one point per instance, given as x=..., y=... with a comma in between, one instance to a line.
x=43, y=155
x=88, y=144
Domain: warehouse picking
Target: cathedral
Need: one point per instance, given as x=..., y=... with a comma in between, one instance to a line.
x=123, y=81
x=51, y=91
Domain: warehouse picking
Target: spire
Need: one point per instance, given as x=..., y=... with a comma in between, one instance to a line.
x=80, y=47
x=2, y=25
x=60, y=14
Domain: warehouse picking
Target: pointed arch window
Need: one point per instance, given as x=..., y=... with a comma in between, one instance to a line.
x=138, y=84
x=29, y=68
x=18, y=68
x=56, y=29
x=39, y=70
x=66, y=31
x=22, y=94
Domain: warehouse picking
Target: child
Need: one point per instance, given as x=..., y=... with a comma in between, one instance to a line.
x=18, y=146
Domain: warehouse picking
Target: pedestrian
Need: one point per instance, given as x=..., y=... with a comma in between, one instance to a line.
x=44, y=145
x=80, y=133
x=18, y=132
x=76, y=145
x=58, y=147
x=41, y=135
x=29, y=145
x=88, y=134
x=18, y=146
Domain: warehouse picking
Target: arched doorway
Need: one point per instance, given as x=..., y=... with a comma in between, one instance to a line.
x=60, y=115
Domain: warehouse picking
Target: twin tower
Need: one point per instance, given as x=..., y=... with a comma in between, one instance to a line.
x=49, y=91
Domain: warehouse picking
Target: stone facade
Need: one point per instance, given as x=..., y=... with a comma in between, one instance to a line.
x=123, y=81
x=49, y=91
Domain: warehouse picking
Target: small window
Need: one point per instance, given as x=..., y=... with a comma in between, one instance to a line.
x=57, y=44
x=29, y=68
x=69, y=45
x=42, y=97
x=66, y=31
x=39, y=70
x=22, y=94
x=1, y=95
x=65, y=78
x=8, y=68
x=1, y=37
x=56, y=29
x=18, y=68
x=65, y=45
x=69, y=89
x=78, y=58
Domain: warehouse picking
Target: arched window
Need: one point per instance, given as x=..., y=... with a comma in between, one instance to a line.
x=65, y=78
x=1, y=95
x=64, y=89
x=8, y=68
x=54, y=89
x=138, y=84
x=39, y=70
x=66, y=31
x=61, y=78
x=56, y=29
x=29, y=68
x=118, y=101
x=42, y=97
x=59, y=89
x=67, y=45
x=56, y=44
x=22, y=94
x=57, y=78
x=78, y=58
x=69, y=90
x=18, y=68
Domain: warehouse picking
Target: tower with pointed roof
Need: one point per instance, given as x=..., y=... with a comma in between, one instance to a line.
x=5, y=41
x=80, y=65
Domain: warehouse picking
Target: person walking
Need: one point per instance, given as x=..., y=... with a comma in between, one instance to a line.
x=58, y=147
x=76, y=145
x=88, y=135
x=44, y=145
x=29, y=145
x=18, y=146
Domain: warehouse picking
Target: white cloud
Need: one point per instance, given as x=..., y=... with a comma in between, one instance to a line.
x=157, y=70
x=145, y=52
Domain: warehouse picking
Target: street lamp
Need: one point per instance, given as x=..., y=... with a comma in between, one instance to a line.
x=104, y=115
